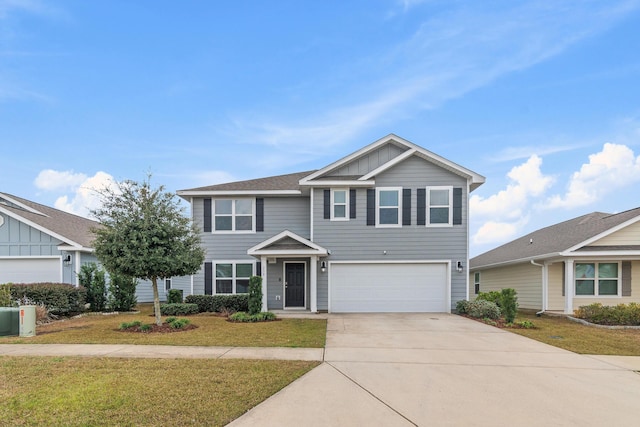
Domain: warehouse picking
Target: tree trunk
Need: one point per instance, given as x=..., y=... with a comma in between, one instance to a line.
x=156, y=300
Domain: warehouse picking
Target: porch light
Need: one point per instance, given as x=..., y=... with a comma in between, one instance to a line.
x=323, y=266
x=67, y=260
x=459, y=267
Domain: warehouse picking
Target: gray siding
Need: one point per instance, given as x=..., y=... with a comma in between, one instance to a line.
x=373, y=160
x=354, y=240
x=19, y=239
x=280, y=213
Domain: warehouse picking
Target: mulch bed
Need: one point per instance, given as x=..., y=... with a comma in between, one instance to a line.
x=498, y=323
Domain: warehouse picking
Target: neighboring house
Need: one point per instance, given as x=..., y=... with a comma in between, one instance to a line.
x=592, y=258
x=42, y=244
x=384, y=229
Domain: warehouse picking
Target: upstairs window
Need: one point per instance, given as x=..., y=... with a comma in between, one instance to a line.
x=389, y=206
x=340, y=204
x=439, y=208
x=234, y=215
x=597, y=279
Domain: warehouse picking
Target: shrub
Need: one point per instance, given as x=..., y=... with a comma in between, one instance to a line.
x=244, y=317
x=508, y=304
x=122, y=292
x=174, y=296
x=93, y=279
x=178, y=323
x=492, y=296
x=621, y=314
x=255, y=295
x=5, y=295
x=147, y=327
x=462, y=306
x=59, y=298
x=127, y=325
x=178, y=309
x=219, y=303
x=481, y=309
x=525, y=324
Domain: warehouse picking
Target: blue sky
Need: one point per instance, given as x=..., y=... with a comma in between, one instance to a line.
x=541, y=97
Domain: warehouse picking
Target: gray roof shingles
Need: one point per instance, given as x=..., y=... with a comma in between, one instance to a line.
x=73, y=228
x=272, y=183
x=553, y=239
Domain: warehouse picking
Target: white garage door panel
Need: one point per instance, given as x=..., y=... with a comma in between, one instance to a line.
x=410, y=287
x=27, y=270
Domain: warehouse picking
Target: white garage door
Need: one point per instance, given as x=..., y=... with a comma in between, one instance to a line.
x=388, y=287
x=29, y=270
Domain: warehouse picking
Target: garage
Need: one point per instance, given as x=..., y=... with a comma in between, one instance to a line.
x=370, y=287
x=30, y=270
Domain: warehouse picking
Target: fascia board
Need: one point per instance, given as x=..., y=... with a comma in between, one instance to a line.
x=595, y=254
x=185, y=194
x=339, y=183
x=389, y=164
x=287, y=252
x=604, y=234
x=22, y=205
x=516, y=261
x=286, y=233
x=40, y=228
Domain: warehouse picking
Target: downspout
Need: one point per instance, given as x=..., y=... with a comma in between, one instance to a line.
x=544, y=287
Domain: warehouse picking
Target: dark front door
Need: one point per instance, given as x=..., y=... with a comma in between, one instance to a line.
x=294, y=284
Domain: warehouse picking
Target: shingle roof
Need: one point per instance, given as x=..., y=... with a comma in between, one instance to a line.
x=73, y=228
x=554, y=239
x=272, y=183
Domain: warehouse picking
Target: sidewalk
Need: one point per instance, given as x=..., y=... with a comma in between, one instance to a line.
x=162, y=351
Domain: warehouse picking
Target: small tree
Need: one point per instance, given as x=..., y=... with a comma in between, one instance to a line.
x=255, y=295
x=93, y=279
x=145, y=234
x=122, y=292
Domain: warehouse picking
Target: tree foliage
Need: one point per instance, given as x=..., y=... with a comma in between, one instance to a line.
x=93, y=279
x=144, y=234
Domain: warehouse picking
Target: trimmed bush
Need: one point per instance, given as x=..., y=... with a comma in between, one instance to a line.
x=509, y=304
x=483, y=309
x=493, y=296
x=5, y=295
x=59, y=298
x=462, y=306
x=243, y=317
x=122, y=292
x=178, y=309
x=178, y=323
x=621, y=314
x=255, y=295
x=219, y=303
x=94, y=280
x=174, y=296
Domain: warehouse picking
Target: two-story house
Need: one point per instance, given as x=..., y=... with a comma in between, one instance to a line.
x=384, y=229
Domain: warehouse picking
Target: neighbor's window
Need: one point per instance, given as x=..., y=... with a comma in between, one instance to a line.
x=597, y=279
x=476, y=282
x=167, y=284
x=234, y=215
x=439, y=209
x=339, y=204
x=233, y=278
x=389, y=206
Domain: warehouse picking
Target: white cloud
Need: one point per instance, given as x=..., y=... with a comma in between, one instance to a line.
x=493, y=232
x=614, y=167
x=50, y=179
x=83, y=190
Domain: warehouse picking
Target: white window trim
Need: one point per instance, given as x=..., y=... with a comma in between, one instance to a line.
x=233, y=278
x=429, y=206
x=346, y=205
x=596, y=288
x=476, y=282
x=399, y=191
x=233, y=216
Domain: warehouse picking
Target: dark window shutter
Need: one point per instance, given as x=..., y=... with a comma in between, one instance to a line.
x=406, y=206
x=352, y=203
x=207, y=215
x=371, y=206
x=422, y=206
x=457, y=206
x=258, y=268
x=626, y=278
x=327, y=204
x=564, y=278
x=260, y=214
x=208, y=278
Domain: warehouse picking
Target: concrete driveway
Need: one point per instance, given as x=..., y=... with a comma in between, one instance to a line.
x=445, y=370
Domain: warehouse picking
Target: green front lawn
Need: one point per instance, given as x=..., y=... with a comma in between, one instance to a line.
x=562, y=332
x=212, y=331
x=72, y=391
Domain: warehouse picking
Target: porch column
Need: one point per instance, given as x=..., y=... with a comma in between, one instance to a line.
x=569, y=286
x=263, y=263
x=313, y=272
x=77, y=266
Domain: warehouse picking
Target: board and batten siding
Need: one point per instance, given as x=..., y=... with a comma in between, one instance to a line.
x=20, y=239
x=526, y=279
x=353, y=240
x=629, y=235
x=371, y=161
x=280, y=213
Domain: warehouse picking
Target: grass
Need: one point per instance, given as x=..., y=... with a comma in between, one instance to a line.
x=561, y=332
x=212, y=331
x=72, y=391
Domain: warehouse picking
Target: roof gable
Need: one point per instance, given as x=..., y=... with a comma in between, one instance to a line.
x=557, y=240
x=363, y=165
x=287, y=242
